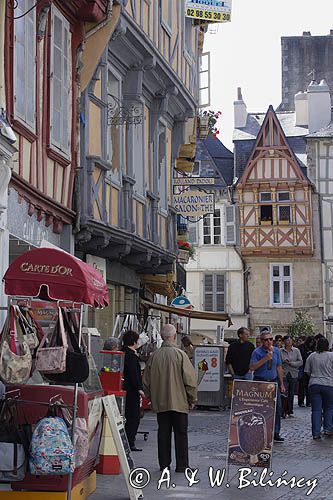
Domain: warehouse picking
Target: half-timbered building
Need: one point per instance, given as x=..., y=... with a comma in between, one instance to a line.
x=137, y=125
x=278, y=219
x=42, y=53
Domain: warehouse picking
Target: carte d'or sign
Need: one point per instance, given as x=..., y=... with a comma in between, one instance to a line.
x=193, y=203
x=60, y=270
x=209, y=10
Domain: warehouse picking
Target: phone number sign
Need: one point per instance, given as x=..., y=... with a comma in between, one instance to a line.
x=209, y=10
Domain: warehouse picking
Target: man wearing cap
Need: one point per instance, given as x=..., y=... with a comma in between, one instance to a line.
x=266, y=364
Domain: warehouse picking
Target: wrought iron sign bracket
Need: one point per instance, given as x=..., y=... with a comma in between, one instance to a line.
x=120, y=114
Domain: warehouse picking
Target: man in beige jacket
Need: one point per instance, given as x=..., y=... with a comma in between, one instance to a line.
x=169, y=381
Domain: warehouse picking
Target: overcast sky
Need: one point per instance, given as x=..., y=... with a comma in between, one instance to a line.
x=246, y=52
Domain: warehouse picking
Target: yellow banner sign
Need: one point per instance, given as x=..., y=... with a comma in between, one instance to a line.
x=209, y=10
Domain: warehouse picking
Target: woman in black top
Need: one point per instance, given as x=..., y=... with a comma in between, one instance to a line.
x=132, y=386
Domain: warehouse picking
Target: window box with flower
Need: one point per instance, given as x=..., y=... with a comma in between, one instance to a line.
x=185, y=251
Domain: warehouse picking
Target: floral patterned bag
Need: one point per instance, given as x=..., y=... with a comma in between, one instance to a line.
x=51, y=448
x=15, y=355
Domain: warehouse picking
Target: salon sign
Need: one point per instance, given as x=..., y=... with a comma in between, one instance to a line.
x=209, y=10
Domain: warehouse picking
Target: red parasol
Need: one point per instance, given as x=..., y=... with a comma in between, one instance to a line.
x=49, y=273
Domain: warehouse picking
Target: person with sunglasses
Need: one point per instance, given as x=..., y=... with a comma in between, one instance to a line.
x=266, y=364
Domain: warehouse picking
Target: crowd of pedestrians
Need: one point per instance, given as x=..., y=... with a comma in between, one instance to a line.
x=307, y=367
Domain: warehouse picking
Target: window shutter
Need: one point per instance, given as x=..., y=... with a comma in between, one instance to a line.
x=230, y=225
x=65, y=139
x=193, y=232
x=220, y=292
x=208, y=292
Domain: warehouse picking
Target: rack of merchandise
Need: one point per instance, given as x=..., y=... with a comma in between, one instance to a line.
x=54, y=276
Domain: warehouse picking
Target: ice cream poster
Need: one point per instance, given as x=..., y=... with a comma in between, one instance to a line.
x=251, y=427
x=207, y=367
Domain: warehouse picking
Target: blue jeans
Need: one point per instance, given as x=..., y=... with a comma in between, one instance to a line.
x=247, y=376
x=321, y=397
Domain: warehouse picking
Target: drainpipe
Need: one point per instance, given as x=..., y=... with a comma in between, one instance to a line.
x=246, y=270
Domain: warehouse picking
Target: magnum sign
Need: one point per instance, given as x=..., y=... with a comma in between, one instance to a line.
x=58, y=269
x=252, y=419
x=193, y=203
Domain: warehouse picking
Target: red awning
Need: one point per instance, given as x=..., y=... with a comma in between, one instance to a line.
x=49, y=273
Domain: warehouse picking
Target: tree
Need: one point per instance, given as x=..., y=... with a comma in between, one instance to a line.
x=302, y=325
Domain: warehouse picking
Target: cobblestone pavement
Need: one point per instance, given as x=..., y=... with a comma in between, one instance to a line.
x=299, y=455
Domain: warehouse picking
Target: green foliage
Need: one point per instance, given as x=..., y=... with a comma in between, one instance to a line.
x=302, y=325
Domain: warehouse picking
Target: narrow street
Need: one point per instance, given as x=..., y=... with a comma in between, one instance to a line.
x=300, y=455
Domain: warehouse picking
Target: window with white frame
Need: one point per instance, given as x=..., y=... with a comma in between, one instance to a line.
x=281, y=285
x=162, y=166
x=114, y=132
x=165, y=14
x=214, y=288
x=212, y=228
x=25, y=63
x=60, y=82
x=188, y=38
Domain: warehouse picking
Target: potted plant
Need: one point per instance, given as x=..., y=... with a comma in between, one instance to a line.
x=185, y=251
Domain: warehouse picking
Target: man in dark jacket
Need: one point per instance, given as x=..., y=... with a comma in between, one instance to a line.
x=239, y=355
x=132, y=386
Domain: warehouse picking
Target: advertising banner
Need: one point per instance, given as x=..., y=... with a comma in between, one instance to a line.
x=207, y=368
x=193, y=203
x=209, y=10
x=252, y=418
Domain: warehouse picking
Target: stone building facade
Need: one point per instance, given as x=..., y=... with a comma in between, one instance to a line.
x=300, y=56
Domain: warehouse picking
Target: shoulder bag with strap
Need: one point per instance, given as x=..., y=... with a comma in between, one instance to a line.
x=15, y=367
x=52, y=358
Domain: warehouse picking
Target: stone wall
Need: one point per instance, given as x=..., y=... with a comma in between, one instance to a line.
x=301, y=55
x=307, y=293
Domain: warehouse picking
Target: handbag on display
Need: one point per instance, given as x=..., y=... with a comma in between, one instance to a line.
x=13, y=446
x=77, y=363
x=29, y=330
x=51, y=356
x=15, y=355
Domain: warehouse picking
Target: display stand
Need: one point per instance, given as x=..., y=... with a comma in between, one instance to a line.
x=124, y=453
x=54, y=275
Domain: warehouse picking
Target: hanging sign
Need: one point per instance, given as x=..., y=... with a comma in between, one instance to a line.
x=182, y=302
x=207, y=368
x=251, y=428
x=193, y=181
x=209, y=10
x=194, y=203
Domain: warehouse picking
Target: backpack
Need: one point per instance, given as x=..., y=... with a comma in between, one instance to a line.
x=51, y=448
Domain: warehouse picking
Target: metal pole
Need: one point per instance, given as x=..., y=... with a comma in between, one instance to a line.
x=76, y=387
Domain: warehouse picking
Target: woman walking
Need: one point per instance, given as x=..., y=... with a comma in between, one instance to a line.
x=132, y=386
x=319, y=366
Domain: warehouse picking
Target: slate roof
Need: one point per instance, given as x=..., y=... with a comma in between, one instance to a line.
x=323, y=132
x=216, y=161
x=255, y=120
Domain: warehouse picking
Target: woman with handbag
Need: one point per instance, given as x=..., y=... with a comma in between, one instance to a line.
x=132, y=386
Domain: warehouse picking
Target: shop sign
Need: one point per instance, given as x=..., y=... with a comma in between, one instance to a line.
x=97, y=263
x=194, y=203
x=193, y=181
x=209, y=10
x=207, y=368
x=251, y=428
x=182, y=301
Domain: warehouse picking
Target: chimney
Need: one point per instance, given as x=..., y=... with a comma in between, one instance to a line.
x=319, y=105
x=301, y=109
x=240, y=112
x=306, y=33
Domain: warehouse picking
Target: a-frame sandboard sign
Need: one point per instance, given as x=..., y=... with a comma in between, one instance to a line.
x=121, y=443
